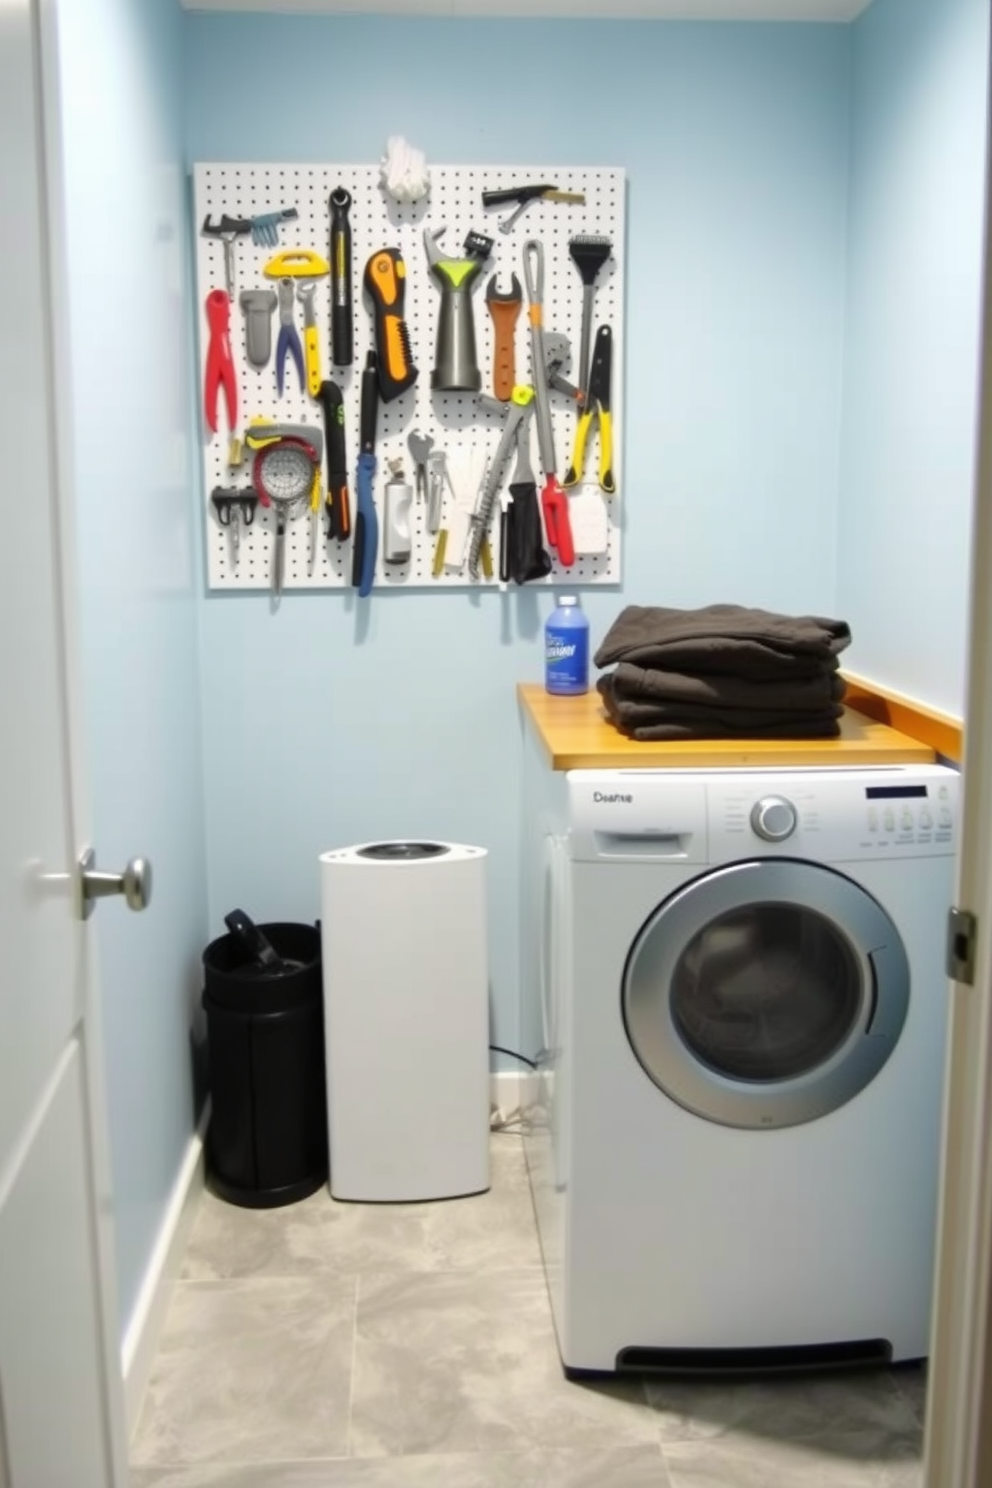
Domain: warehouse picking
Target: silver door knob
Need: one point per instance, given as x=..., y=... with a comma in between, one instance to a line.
x=135, y=883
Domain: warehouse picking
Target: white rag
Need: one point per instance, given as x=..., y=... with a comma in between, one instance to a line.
x=404, y=171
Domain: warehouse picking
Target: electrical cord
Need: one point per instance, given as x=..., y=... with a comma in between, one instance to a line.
x=512, y=1054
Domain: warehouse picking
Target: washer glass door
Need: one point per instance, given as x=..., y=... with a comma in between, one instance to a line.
x=766, y=993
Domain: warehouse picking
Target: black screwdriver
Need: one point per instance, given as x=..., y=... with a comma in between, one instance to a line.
x=338, y=509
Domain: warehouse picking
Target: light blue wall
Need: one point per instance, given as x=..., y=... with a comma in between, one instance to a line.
x=331, y=723
x=129, y=385
x=918, y=158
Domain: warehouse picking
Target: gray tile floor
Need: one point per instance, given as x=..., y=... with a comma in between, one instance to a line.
x=333, y=1345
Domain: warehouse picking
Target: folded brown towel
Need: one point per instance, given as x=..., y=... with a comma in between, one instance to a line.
x=674, y=731
x=724, y=638
x=643, y=715
x=641, y=685
x=713, y=720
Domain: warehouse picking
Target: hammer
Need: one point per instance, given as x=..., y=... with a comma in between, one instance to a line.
x=228, y=229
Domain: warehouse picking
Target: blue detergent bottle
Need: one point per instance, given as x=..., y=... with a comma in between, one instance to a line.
x=566, y=648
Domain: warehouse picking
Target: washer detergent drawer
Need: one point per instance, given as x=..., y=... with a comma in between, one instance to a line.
x=636, y=815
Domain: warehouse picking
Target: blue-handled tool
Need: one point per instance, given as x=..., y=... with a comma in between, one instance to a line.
x=289, y=337
x=366, y=539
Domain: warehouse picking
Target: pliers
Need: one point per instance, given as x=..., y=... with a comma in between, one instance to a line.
x=220, y=364
x=289, y=339
x=597, y=405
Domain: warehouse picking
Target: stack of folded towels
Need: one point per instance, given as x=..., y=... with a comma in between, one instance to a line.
x=722, y=672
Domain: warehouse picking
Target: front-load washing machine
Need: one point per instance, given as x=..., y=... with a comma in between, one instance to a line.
x=735, y=980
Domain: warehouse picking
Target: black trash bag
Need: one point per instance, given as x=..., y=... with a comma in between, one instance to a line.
x=528, y=558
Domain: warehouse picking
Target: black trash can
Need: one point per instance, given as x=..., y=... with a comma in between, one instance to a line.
x=267, y=1138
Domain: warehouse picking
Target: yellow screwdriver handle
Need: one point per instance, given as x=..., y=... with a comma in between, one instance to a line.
x=311, y=352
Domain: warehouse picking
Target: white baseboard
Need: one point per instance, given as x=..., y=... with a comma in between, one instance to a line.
x=145, y=1324
x=511, y=1089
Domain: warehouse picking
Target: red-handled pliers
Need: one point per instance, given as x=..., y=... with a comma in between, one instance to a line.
x=220, y=363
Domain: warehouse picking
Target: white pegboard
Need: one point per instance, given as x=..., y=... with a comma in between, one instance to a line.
x=452, y=419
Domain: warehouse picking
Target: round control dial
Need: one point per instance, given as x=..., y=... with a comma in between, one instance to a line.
x=773, y=818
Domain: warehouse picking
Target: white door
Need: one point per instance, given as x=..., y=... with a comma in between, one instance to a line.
x=60, y=1393
x=959, y=1411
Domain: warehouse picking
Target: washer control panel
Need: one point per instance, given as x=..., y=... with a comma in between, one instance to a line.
x=827, y=814
x=869, y=814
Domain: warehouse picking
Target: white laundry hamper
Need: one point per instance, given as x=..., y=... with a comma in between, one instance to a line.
x=406, y=1020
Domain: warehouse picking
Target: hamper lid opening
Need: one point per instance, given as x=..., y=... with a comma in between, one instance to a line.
x=402, y=851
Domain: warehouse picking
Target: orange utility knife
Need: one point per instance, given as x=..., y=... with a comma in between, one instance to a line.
x=385, y=280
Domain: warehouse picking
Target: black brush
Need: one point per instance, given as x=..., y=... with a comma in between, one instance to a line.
x=589, y=253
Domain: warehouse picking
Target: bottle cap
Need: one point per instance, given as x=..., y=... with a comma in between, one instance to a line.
x=564, y=600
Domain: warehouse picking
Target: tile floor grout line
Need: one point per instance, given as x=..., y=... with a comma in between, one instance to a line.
x=669, y=1480
x=349, y=1444
x=272, y=1464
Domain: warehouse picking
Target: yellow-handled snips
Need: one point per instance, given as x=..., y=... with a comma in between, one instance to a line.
x=596, y=406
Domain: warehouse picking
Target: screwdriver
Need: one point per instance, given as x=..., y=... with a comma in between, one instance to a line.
x=366, y=538
x=338, y=513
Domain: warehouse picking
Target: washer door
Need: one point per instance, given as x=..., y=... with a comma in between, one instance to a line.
x=766, y=993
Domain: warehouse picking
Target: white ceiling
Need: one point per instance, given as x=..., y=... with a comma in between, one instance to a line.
x=684, y=10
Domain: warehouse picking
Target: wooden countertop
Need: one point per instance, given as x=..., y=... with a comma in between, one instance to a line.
x=577, y=736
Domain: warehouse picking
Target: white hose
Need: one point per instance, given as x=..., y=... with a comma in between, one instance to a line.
x=404, y=171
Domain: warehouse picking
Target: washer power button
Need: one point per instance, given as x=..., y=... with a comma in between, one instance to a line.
x=773, y=818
